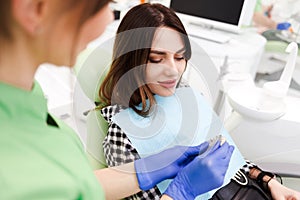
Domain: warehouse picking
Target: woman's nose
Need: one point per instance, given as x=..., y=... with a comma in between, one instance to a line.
x=171, y=68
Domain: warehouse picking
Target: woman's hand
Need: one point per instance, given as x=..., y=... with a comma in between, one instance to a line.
x=280, y=192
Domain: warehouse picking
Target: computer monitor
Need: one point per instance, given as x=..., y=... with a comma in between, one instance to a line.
x=227, y=15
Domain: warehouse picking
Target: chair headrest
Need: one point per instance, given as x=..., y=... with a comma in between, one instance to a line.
x=91, y=67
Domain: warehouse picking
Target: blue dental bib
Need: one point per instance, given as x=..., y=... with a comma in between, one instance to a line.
x=184, y=118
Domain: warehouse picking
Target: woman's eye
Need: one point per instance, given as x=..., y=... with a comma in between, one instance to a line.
x=179, y=58
x=152, y=60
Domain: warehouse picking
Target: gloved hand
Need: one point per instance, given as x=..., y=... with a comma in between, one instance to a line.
x=283, y=26
x=202, y=174
x=166, y=164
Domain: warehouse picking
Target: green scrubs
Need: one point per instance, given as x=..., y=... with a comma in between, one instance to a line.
x=39, y=161
x=258, y=6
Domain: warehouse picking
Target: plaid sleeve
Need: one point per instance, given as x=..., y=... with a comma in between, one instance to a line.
x=249, y=165
x=119, y=150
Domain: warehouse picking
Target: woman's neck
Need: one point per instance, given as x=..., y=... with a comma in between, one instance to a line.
x=17, y=66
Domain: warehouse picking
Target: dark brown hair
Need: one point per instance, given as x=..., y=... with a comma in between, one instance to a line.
x=130, y=55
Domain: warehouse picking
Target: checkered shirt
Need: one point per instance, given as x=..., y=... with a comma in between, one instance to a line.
x=118, y=150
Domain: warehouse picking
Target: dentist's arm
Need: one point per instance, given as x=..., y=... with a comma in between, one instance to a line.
x=125, y=180
x=118, y=182
x=126, y=185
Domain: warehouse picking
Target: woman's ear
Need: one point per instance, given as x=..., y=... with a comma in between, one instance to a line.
x=28, y=14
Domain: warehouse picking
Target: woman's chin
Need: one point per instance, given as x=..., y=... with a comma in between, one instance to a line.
x=167, y=92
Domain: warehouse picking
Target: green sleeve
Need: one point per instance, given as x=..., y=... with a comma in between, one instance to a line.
x=258, y=6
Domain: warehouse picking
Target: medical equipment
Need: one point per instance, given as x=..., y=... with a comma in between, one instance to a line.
x=265, y=124
x=208, y=34
x=214, y=14
x=265, y=103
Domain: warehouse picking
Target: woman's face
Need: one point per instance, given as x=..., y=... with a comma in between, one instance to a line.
x=68, y=37
x=166, y=62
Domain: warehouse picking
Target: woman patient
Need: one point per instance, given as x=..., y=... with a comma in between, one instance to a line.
x=152, y=63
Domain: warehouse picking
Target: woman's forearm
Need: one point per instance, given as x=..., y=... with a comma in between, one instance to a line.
x=118, y=182
x=279, y=191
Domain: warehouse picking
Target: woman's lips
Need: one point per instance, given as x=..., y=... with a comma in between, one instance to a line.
x=168, y=84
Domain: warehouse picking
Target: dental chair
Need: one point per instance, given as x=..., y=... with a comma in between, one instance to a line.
x=91, y=67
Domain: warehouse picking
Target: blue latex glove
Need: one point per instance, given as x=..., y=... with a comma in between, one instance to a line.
x=283, y=26
x=202, y=174
x=166, y=164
